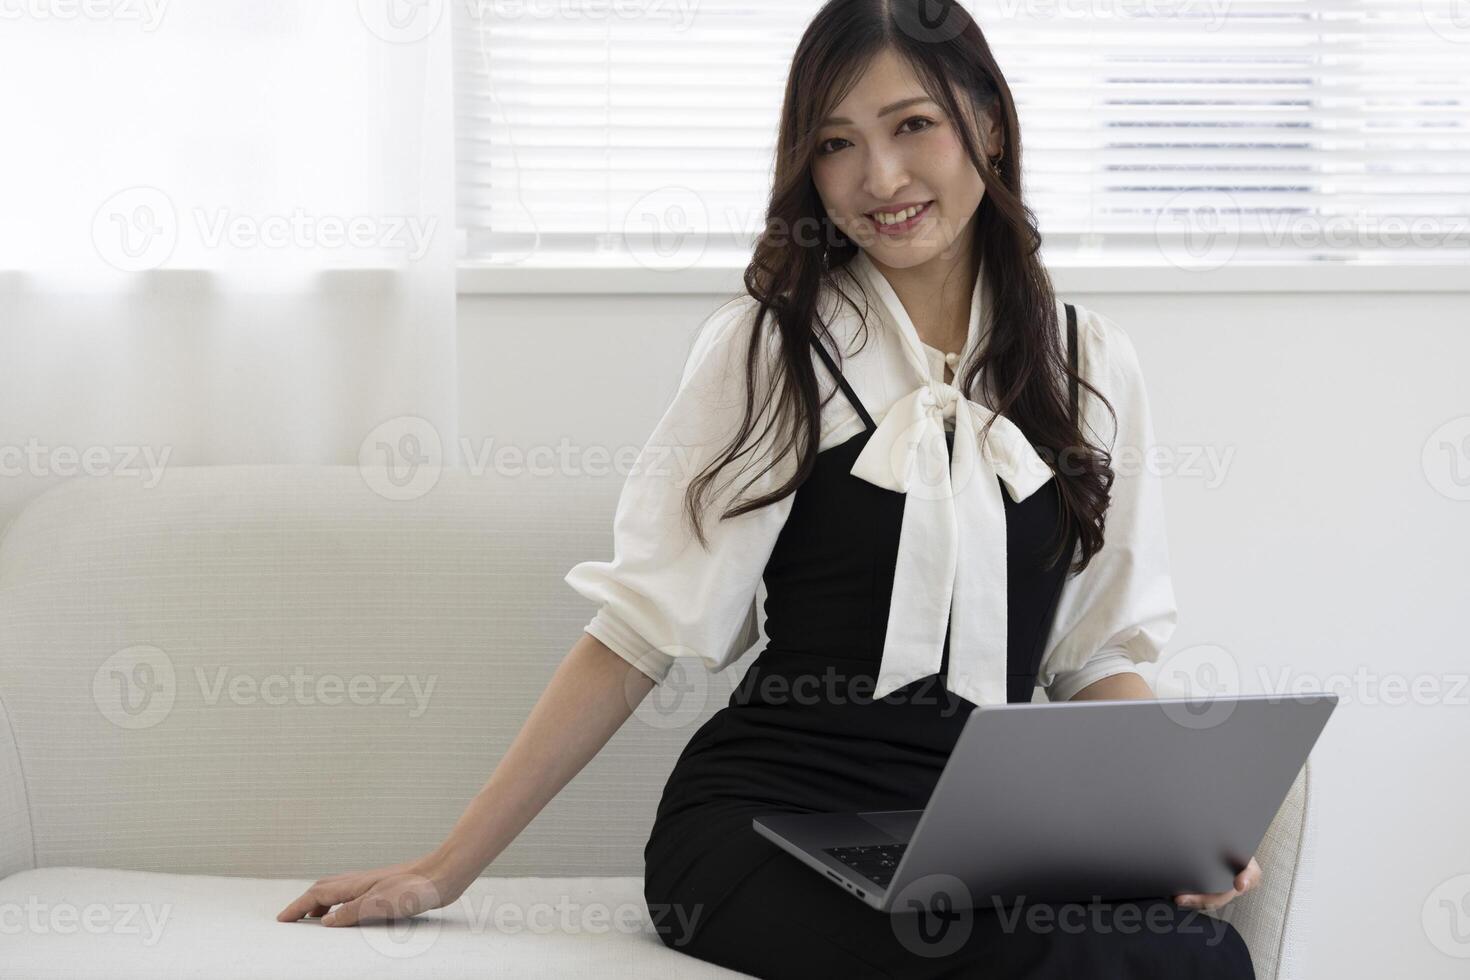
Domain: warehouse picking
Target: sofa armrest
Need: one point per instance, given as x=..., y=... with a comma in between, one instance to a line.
x=1269, y=917
x=17, y=843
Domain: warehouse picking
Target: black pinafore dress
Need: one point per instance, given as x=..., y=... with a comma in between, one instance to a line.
x=802, y=734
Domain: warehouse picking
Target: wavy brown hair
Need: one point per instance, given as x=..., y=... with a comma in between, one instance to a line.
x=1023, y=367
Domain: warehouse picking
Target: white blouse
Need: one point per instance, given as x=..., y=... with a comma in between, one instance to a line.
x=663, y=596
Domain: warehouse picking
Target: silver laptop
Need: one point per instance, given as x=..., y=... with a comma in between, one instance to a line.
x=1075, y=801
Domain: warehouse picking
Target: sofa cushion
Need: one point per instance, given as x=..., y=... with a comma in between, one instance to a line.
x=71, y=923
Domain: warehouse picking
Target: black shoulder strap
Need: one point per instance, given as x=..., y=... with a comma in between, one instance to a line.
x=846, y=388
x=1072, y=357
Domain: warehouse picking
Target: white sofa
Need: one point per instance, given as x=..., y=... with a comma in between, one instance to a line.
x=217, y=689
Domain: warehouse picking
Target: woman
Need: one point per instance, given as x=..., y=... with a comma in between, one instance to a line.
x=899, y=322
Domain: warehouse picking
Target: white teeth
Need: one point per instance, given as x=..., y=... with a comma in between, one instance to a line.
x=893, y=219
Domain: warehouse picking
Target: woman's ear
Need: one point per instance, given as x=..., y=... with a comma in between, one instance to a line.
x=992, y=137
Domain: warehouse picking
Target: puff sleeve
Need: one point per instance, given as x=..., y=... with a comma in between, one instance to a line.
x=1120, y=610
x=663, y=595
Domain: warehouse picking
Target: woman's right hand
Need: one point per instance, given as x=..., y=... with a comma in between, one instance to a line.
x=398, y=891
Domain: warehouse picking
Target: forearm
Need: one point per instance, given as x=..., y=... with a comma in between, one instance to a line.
x=1127, y=686
x=591, y=694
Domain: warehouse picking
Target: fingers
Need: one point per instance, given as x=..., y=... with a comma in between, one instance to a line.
x=398, y=897
x=317, y=899
x=1248, y=878
x=1206, y=900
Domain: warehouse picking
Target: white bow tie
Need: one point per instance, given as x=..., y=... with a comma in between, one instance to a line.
x=952, y=541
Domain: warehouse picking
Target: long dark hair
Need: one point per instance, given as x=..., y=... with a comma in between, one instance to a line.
x=1024, y=364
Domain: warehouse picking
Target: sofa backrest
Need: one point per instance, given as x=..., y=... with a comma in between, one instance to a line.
x=297, y=670
x=284, y=671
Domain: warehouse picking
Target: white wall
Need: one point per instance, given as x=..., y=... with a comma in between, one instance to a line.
x=1325, y=549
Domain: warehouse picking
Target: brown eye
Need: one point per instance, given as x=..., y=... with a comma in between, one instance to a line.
x=922, y=119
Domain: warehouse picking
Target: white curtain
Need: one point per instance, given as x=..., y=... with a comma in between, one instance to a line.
x=226, y=236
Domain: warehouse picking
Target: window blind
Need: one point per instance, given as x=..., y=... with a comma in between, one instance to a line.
x=1187, y=133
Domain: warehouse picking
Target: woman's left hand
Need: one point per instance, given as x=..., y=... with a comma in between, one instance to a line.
x=1248, y=878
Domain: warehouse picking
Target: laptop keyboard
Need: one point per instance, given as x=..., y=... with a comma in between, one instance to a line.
x=876, y=862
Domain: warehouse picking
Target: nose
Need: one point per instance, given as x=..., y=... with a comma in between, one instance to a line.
x=887, y=174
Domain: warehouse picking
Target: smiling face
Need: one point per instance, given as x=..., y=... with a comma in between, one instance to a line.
x=892, y=172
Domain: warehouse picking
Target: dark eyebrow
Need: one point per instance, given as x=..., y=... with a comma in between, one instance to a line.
x=844, y=121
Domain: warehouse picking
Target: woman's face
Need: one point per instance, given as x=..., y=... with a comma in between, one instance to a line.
x=909, y=156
